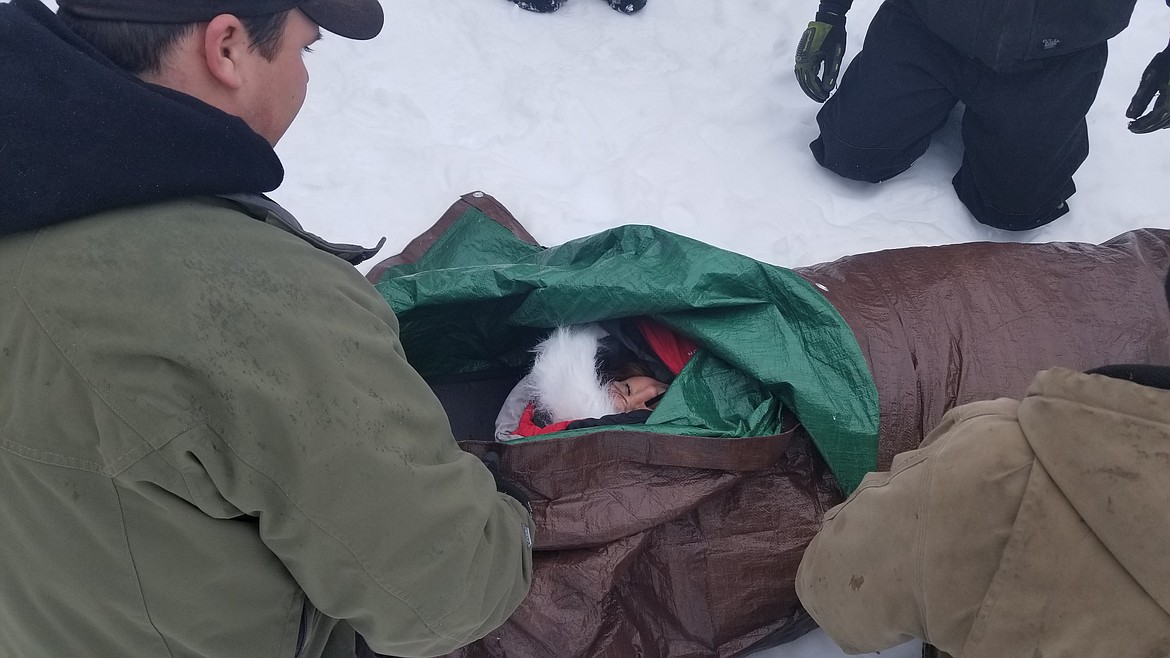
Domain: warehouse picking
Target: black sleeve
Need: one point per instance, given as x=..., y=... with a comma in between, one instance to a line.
x=636, y=417
x=839, y=7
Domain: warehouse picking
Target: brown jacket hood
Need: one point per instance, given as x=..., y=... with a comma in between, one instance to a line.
x=1017, y=529
x=1117, y=475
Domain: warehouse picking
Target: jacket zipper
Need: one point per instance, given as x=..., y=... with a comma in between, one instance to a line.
x=304, y=630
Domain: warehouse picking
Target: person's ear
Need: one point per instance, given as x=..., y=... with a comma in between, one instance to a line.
x=225, y=44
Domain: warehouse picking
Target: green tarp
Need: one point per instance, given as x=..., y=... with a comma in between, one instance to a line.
x=480, y=298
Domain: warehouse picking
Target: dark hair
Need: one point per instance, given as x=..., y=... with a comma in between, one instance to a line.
x=627, y=369
x=140, y=47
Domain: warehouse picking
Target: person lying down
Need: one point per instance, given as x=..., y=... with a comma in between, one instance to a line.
x=592, y=375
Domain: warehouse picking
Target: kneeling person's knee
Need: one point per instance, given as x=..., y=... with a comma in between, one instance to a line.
x=869, y=165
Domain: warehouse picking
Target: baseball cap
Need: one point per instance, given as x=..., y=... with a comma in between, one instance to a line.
x=353, y=19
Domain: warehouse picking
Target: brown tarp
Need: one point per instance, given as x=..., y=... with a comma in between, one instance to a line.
x=652, y=545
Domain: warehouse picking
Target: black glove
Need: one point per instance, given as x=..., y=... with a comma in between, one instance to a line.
x=1155, y=82
x=492, y=461
x=823, y=42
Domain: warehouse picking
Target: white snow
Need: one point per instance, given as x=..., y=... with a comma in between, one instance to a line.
x=685, y=116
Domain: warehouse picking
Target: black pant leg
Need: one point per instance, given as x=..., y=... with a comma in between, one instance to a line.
x=893, y=96
x=1024, y=136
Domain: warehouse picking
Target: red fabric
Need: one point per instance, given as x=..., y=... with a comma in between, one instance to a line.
x=673, y=349
x=529, y=428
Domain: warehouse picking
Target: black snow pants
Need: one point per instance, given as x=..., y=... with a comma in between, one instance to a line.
x=1024, y=130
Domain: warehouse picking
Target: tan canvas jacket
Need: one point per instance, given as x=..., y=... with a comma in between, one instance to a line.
x=211, y=444
x=1032, y=528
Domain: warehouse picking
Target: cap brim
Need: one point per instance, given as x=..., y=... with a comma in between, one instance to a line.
x=352, y=19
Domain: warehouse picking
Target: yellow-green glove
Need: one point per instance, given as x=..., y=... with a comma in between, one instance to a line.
x=1155, y=82
x=823, y=43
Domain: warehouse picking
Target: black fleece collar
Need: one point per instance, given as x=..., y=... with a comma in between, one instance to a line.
x=1145, y=375
x=78, y=135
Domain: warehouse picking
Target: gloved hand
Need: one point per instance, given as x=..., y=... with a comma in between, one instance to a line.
x=492, y=461
x=823, y=42
x=1155, y=82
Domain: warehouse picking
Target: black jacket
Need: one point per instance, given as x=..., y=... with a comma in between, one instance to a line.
x=1004, y=33
x=78, y=135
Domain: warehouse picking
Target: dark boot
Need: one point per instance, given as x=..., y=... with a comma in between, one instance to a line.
x=627, y=6
x=540, y=6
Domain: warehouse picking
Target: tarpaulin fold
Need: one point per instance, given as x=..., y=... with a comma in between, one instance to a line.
x=479, y=297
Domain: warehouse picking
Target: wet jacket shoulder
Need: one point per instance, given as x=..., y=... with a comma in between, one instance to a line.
x=218, y=417
x=1004, y=33
x=1019, y=528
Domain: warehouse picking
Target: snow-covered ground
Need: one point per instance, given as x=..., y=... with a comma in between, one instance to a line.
x=685, y=116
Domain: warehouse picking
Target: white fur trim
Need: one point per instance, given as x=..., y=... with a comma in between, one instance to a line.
x=565, y=382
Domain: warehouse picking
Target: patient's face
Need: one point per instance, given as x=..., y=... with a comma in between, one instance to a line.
x=634, y=393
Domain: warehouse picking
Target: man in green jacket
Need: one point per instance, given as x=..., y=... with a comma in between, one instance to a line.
x=211, y=443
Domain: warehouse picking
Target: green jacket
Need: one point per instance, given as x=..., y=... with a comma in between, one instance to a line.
x=212, y=445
